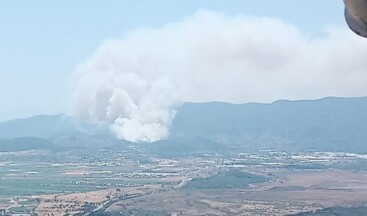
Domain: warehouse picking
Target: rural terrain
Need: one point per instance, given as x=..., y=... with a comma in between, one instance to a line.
x=107, y=182
x=220, y=159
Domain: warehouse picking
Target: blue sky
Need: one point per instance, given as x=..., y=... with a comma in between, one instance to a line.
x=42, y=41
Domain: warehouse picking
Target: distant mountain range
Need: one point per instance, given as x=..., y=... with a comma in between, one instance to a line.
x=45, y=126
x=330, y=124
x=58, y=132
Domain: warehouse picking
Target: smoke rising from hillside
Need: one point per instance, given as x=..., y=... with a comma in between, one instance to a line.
x=135, y=83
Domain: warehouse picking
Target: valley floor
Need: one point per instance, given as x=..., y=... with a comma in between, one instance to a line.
x=133, y=183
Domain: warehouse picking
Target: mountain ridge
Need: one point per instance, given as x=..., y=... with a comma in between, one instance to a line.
x=324, y=124
x=330, y=124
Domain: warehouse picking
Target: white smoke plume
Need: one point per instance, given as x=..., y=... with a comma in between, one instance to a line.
x=135, y=83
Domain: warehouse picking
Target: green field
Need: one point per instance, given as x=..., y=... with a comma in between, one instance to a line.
x=23, y=179
x=231, y=179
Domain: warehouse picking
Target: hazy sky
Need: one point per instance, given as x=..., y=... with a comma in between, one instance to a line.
x=42, y=41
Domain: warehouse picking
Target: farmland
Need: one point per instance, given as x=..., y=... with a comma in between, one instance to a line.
x=121, y=182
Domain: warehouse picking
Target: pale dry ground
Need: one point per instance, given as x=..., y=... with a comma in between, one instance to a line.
x=60, y=203
x=337, y=179
x=209, y=203
x=76, y=172
x=326, y=188
x=176, y=201
x=249, y=208
x=26, y=153
x=288, y=194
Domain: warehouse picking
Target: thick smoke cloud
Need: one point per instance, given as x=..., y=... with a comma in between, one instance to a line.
x=134, y=84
